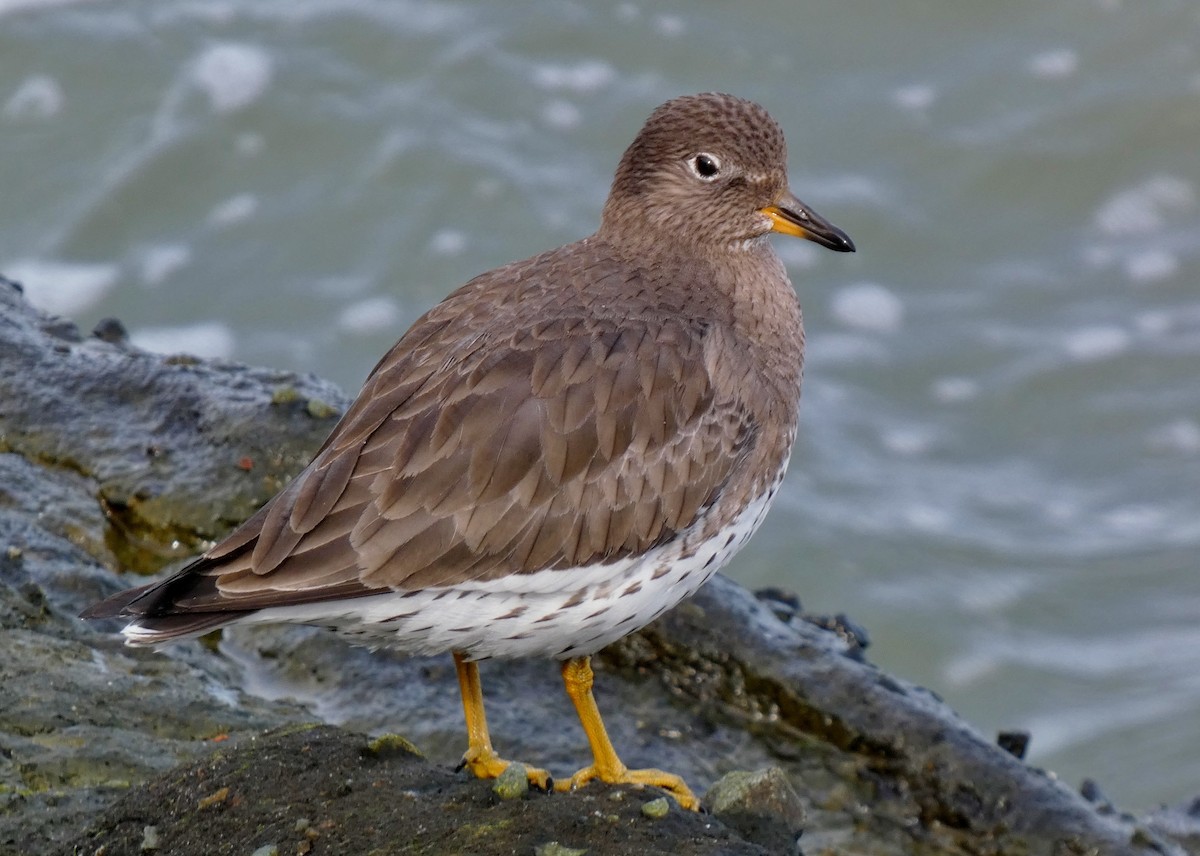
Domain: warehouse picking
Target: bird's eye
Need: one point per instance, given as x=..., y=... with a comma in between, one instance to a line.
x=705, y=166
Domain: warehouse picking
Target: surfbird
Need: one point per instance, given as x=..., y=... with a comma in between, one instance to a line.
x=558, y=452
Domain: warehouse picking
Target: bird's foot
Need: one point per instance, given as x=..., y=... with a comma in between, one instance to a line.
x=486, y=764
x=669, y=782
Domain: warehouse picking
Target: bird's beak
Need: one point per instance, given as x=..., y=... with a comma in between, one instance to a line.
x=790, y=216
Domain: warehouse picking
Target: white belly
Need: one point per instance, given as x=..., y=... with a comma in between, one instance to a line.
x=556, y=613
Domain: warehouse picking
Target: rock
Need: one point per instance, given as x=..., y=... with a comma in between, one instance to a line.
x=113, y=460
x=553, y=848
x=1015, y=743
x=356, y=800
x=762, y=805
x=150, y=839
x=656, y=809
x=100, y=472
x=512, y=784
x=1180, y=823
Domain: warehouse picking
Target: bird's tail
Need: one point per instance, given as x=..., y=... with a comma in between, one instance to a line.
x=150, y=623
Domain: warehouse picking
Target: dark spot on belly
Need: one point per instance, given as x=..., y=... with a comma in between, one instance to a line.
x=576, y=598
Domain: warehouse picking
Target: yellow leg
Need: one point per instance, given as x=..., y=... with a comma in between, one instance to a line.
x=606, y=766
x=480, y=757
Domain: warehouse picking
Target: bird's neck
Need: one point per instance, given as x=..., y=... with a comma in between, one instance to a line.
x=744, y=290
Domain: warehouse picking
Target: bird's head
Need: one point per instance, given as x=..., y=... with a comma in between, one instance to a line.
x=709, y=172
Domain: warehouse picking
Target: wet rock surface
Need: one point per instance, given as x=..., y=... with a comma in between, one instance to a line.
x=112, y=459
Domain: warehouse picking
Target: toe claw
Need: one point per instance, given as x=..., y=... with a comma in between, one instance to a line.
x=489, y=765
x=672, y=784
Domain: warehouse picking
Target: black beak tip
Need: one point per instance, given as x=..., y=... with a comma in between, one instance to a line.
x=827, y=235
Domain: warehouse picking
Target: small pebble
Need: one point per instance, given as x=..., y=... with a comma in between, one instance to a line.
x=656, y=809
x=318, y=409
x=392, y=744
x=512, y=784
x=110, y=330
x=1015, y=743
x=553, y=848
x=214, y=799
x=150, y=840
x=284, y=395
x=267, y=850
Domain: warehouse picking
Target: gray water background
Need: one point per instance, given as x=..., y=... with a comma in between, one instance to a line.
x=998, y=473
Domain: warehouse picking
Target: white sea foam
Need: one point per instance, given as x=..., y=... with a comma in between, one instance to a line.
x=1151, y=266
x=915, y=96
x=971, y=667
x=562, y=115
x=951, y=390
x=232, y=75
x=1146, y=207
x=448, y=242
x=1136, y=520
x=1062, y=62
x=907, y=441
x=372, y=315
x=868, y=306
x=233, y=210
x=927, y=518
x=1153, y=322
x=157, y=263
x=671, y=26
x=63, y=288
x=7, y=6
x=586, y=76
x=1089, y=344
x=1060, y=729
x=989, y=592
x=208, y=339
x=36, y=98
x=1181, y=437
